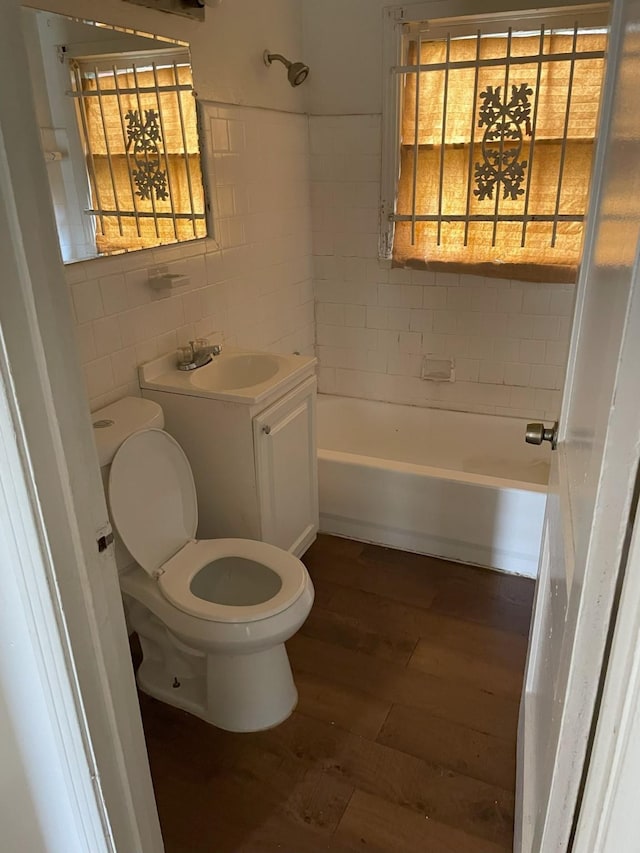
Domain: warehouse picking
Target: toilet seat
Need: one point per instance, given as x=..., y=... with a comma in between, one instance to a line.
x=154, y=507
x=179, y=571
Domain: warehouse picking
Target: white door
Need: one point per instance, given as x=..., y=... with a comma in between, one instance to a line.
x=593, y=473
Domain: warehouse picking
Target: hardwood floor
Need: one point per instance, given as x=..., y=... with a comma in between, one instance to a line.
x=409, y=671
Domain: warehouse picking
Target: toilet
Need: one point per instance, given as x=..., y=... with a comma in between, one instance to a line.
x=212, y=615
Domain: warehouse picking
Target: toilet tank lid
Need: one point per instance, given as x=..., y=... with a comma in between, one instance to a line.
x=117, y=421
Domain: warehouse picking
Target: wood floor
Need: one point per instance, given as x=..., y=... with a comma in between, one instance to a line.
x=409, y=671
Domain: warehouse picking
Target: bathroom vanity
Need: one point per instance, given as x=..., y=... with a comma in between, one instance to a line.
x=247, y=423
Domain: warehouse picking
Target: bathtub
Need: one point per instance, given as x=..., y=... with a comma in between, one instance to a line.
x=454, y=485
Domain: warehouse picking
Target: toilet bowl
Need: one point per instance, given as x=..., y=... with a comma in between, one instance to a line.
x=212, y=615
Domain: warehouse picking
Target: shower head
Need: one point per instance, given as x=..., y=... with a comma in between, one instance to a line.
x=297, y=72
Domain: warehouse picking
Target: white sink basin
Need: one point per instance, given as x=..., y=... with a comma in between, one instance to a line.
x=226, y=373
x=238, y=376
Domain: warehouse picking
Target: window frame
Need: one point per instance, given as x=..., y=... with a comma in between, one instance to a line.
x=415, y=17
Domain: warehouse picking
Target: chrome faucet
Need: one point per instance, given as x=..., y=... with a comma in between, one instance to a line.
x=197, y=354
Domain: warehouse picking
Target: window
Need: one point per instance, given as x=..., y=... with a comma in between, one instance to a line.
x=138, y=126
x=491, y=125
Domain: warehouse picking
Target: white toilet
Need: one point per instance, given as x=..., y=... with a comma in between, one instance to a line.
x=212, y=615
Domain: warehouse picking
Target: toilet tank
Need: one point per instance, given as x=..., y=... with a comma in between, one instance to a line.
x=111, y=426
x=119, y=420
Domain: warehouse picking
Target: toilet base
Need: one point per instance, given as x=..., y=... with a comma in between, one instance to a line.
x=238, y=693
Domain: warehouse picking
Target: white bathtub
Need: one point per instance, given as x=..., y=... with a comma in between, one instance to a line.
x=454, y=485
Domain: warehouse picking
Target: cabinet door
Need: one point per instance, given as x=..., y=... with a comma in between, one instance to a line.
x=287, y=469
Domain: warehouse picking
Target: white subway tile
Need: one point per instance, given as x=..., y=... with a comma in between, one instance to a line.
x=445, y=322
x=330, y=314
x=547, y=376
x=433, y=344
x=399, y=318
x=434, y=297
x=421, y=320
x=536, y=300
x=398, y=275
x=326, y=380
x=509, y=301
x=146, y=350
x=355, y=315
x=86, y=344
x=467, y=369
x=546, y=328
x=410, y=342
x=124, y=365
x=106, y=335
x=532, y=352
x=562, y=302
x=87, y=301
x=516, y=373
x=520, y=326
x=557, y=353
x=98, y=376
x=506, y=349
x=523, y=398
x=480, y=347
x=376, y=317
x=484, y=299
x=491, y=371
x=447, y=279
x=113, y=290
x=138, y=290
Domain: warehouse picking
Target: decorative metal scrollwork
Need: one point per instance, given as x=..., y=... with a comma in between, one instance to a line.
x=148, y=176
x=502, y=141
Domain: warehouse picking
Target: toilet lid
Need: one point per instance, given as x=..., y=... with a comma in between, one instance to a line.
x=153, y=497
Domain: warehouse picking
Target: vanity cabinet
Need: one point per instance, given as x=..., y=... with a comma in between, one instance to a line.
x=254, y=465
x=284, y=439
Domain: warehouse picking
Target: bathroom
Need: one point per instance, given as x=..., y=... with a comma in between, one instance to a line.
x=293, y=175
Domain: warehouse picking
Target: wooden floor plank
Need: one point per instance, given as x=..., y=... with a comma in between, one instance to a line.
x=468, y=666
x=340, y=705
x=408, y=586
x=347, y=630
x=512, y=588
x=395, y=776
x=387, y=828
x=488, y=605
x=464, y=750
x=450, y=700
x=374, y=613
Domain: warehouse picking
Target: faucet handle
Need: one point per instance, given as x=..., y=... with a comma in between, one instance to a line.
x=185, y=354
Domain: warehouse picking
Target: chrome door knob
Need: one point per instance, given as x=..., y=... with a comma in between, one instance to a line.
x=537, y=433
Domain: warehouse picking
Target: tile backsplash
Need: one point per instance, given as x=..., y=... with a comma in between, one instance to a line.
x=375, y=324
x=253, y=283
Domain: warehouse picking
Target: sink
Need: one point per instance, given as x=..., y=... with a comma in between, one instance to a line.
x=236, y=371
x=248, y=377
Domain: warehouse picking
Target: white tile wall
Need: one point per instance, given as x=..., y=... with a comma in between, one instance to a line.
x=509, y=339
x=254, y=285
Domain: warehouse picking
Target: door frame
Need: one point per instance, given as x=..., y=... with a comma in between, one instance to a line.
x=49, y=431
x=52, y=433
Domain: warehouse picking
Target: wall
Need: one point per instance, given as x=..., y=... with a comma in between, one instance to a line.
x=253, y=282
x=509, y=339
x=256, y=289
